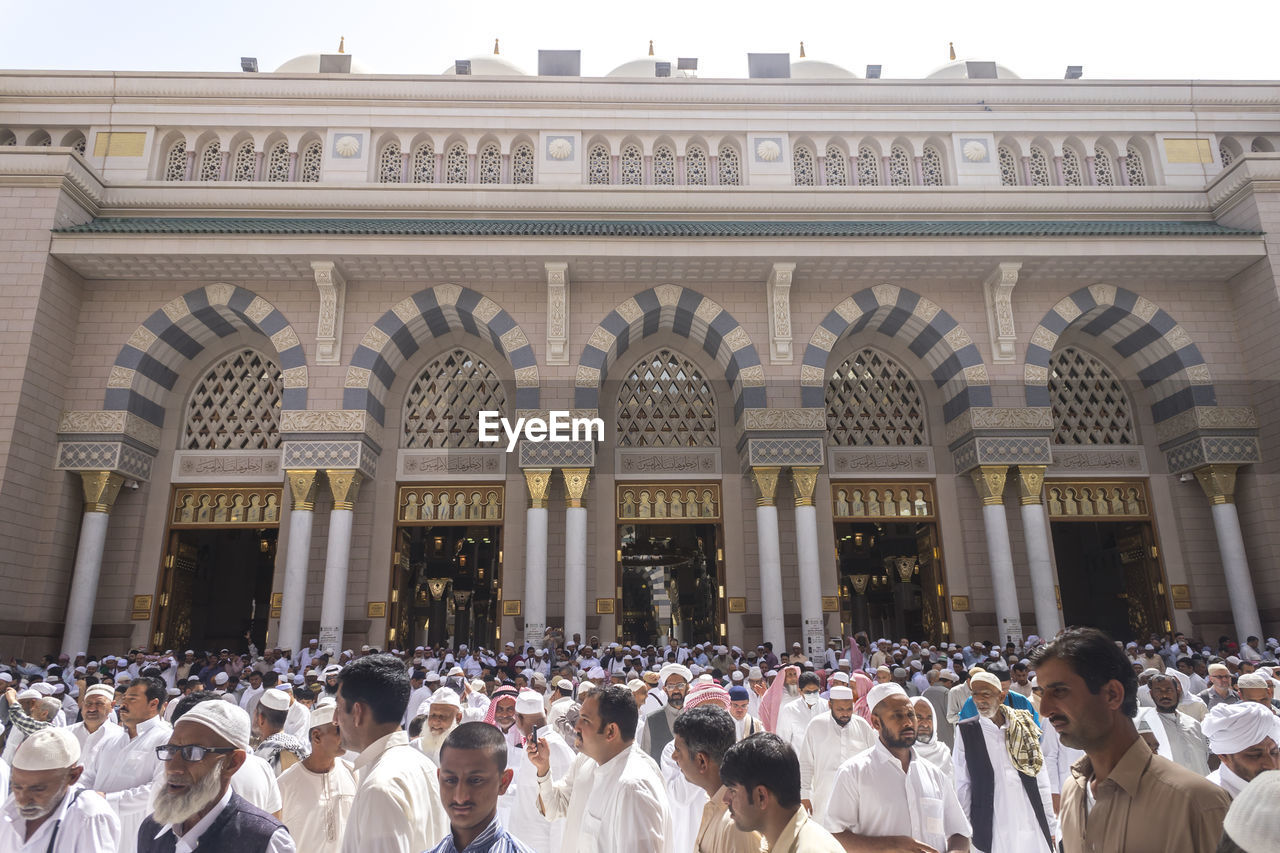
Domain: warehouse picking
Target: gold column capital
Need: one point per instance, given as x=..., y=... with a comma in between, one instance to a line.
x=344, y=483
x=100, y=490
x=804, y=480
x=539, y=482
x=989, y=481
x=575, y=486
x=765, y=480
x=1030, y=483
x=1218, y=482
x=302, y=486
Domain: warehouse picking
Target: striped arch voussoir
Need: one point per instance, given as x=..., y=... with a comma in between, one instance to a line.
x=150, y=362
x=1164, y=357
x=684, y=312
x=427, y=314
x=933, y=335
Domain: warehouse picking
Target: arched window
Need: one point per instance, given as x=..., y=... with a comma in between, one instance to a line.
x=1261, y=145
x=1134, y=168
x=175, y=162
x=899, y=167
x=1225, y=154
x=598, y=165
x=236, y=405
x=79, y=145
x=390, y=167
x=729, y=167
x=1089, y=404
x=631, y=164
x=211, y=162
x=664, y=166
x=695, y=166
x=522, y=164
x=278, y=162
x=455, y=164
x=309, y=162
x=873, y=402
x=1009, y=176
x=868, y=167
x=802, y=171
x=7, y=138
x=40, y=139
x=931, y=167
x=665, y=401
x=1072, y=176
x=443, y=404
x=836, y=167
x=490, y=164
x=424, y=164
x=1040, y=174
x=246, y=162
x=1102, y=166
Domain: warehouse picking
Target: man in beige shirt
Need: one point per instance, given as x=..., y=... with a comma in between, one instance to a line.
x=702, y=736
x=760, y=779
x=1119, y=798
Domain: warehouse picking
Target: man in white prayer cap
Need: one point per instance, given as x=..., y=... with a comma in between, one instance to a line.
x=47, y=809
x=656, y=727
x=890, y=794
x=829, y=741
x=318, y=791
x=1246, y=737
x=278, y=748
x=444, y=712
x=1252, y=824
x=525, y=822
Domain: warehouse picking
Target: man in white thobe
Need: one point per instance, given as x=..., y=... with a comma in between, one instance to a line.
x=614, y=801
x=927, y=744
x=61, y=816
x=397, y=807
x=829, y=741
x=523, y=820
x=1187, y=744
x=990, y=785
x=1246, y=737
x=795, y=716
x=318, y=791
x=96, y=728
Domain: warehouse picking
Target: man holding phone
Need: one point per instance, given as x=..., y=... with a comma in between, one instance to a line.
x=531, y=827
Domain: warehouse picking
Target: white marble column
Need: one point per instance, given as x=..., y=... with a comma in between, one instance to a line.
x=989, y=481
x=804, y=480
x=1219, y=484
x=575, y=550
x=100, y=491
x=769, y=550
x=1035, y=529
x=344, y=484
x=293, y=599
x=535, y=556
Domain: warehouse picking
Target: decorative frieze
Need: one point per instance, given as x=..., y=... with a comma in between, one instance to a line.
x=455, y=464
x=778, y=291
x=669, y=501
x=872, y=501
x=1002, y=450
x=245, y=507
x=557, y=312
x=557, y=454
x=113, y=424
x=879, y=461
x=998, y=290
x=470, y=504
x=232, y=465
x=667, y=461
x=333, y=289
x=1000, y=419
x=1094, y=499
x=785, y=419
x=331, y=454
x=1213, y=450
x=785, y=451
x=339, y=420
x=114, y=456
x=1222, y=418
x=1103, y=460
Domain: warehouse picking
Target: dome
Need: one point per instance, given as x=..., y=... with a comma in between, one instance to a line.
x=309, y=63
x=646, y=66
x=959, y=70
x=815, y=69
x=490, y=65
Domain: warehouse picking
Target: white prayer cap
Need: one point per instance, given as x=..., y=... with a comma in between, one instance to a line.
x=313, y=673
x=220, y=678
x=842, y=693
x=986, y=678
x=477, y=684
x=881, y=692
x=322, y=713
x=583, y=687
x=755, y=674
x=843, y=662
x=840, y=677
x=1252, y=680
x=52, y=748
x=124, y=676
x=100, y=690
x=949, y=675
x=275, y=699
x=635, y=684
x=432, y=677
x=1253, y=821
x=529, y=702
x=915, y=664
x=1235, y=728
x=446, y=696
x=674, y=669
x=736, y=676
x=596, y=672
x=313, y=641
x=28, y=694
x=6, y=676
x=223, y=718
x=172, y=691
x=44, y=688
x=1233, y=660
x=1218, y=669
x=455, y=671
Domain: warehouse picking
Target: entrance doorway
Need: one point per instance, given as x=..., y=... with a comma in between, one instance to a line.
x=1109, y=573
x=215, y=583
x=671, y=562
x=446, y=579
x=889, y=560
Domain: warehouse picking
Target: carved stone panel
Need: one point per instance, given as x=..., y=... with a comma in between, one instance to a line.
x=667, y=462
x=879, y=461
x=248, y=466
x=1098, y=460
x=455, y=464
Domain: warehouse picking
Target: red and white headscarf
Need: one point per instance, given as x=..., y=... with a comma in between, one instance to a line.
x=707, y=693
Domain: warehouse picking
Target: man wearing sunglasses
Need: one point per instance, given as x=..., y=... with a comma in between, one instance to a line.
x=193, y=805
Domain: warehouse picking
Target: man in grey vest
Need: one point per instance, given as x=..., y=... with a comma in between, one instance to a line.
x=658, y=729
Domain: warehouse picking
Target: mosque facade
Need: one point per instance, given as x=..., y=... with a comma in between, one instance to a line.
x=968, y=356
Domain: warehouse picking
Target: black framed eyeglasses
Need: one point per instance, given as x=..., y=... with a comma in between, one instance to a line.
x=190, y=752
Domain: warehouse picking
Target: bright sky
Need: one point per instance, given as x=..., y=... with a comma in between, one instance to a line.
x=1133, y=39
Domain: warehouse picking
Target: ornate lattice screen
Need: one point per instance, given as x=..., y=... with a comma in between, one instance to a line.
x=444, y=403
x=873, y=402
x=236, y=405
x=1089, y=404
x=665, y=401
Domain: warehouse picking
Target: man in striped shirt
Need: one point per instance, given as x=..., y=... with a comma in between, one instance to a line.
x=473, y=774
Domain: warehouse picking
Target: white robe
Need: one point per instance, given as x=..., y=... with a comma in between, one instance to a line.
x=315, y=806
x=397, y=807
x=255, y=782
x=124, y=770
x=1014, y=828
x=520, y=804
x=621, y=805
x=794, y=718
x=825, y=746
x=86, y=824
x=936, y=753
x=685, y=800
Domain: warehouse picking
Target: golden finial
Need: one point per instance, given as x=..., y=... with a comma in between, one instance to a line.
x=802, y=50
x=342, y=41
x=953, y=50
x=495, y=47
x=651, y=47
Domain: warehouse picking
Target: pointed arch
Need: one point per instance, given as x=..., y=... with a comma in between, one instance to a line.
x=1163, y=356
x=687, y=313
x=428, y=314
x=148, y=366
x=933, y=335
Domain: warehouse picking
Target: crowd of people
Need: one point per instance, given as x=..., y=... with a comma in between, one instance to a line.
x=1073, y=743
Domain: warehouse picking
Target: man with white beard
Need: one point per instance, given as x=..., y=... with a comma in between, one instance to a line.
x=193, y=804
x=525, y=821
x=828, y=742
x=927, y=745
x=444, y=713
x=48, y=810
x=656, y=727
